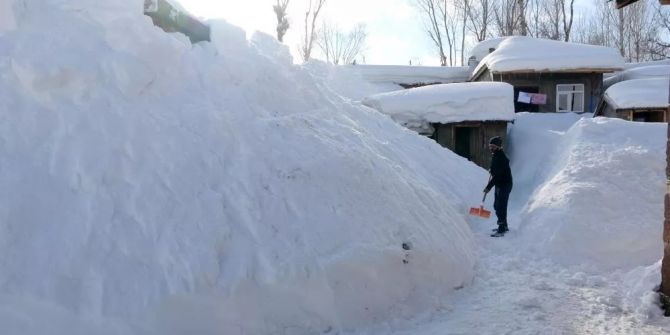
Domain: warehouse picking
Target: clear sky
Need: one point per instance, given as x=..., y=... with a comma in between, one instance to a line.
x=395, y=31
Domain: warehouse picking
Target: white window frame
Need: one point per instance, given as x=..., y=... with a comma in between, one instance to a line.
x=570, y=90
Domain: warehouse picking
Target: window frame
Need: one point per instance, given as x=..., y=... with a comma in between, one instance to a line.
x=571, y=92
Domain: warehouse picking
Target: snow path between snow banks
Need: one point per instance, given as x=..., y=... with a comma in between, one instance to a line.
x=540, y=279
x=517, y=293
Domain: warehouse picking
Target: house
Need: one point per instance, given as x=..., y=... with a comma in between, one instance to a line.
x=547, y=75
x=169, y=16
x=459, y=116
x=644, y=100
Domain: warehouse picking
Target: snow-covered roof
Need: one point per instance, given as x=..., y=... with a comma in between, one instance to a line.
x=639, y=93
x=448, y=103
x=638, y=73
x=410, y=75
x=481, y=49
x=649, y=63
x=527, y=54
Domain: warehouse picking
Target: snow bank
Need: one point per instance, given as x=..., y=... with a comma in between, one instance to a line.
x=601, y=206
x=532, y=140
x=639, y=93
x=520, y=53
x=411, y=75
x=639, y=73
x=447, y=103
x=148, y=186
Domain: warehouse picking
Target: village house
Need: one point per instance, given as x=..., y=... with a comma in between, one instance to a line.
x=644, y=100
x=458, y=116
x=547, y=75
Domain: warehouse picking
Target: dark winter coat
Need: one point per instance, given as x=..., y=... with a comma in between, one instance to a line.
x=501, y=175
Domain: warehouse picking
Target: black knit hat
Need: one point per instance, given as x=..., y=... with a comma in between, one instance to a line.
x=497, y=141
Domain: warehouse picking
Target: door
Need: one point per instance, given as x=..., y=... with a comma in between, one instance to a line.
x=463, y=136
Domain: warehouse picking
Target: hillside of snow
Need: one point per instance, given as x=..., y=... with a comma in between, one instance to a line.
x=596, y=201
x=153, y=187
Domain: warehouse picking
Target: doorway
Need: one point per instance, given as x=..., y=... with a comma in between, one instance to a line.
x=463, y=137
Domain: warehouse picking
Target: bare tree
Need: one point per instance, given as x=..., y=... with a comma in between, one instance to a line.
x=479, y=18
x=311, y=16
x=464, y=8
x=442, y=25
x=567, y=23
x=553, y=20
x=429, y=10
x=636, y=31
x=341, y=47
x=510, y=17
x=282, y=19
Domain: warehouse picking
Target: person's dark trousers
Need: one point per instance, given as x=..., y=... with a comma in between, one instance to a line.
x=500, y=204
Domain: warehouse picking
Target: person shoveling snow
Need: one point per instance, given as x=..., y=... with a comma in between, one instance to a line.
x=501, y=178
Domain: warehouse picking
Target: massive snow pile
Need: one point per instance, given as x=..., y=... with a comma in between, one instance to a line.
x=151, y=186
x=520, y=53
x=447, y=103
x=601, y=203
x=639, y=93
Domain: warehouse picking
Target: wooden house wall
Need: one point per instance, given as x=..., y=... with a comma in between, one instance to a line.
x=546, y=84
x=445, y=135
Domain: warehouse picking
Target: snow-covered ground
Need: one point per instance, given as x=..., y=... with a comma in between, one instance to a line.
x=148, y=186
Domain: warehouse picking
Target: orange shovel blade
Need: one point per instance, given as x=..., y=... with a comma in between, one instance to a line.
x=481, y=212
x=484, y=213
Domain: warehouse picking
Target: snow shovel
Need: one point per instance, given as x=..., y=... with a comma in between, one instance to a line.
x=480, y=211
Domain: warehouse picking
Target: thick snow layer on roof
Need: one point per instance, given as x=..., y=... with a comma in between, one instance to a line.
x=642, y=72
x=481, y=49
x=639, y=93
x=149, y=186
x=404, y=74
x=447, y=103
x=649, y=63
x=527, y=54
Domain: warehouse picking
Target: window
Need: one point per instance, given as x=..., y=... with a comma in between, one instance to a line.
x=570, y=98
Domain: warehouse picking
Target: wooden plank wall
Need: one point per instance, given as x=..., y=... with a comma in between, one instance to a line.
x=546, y=84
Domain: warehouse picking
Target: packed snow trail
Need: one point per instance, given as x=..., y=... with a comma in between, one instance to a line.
x=514, y=292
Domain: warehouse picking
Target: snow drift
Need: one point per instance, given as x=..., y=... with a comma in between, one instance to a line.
x=600, y=204
x=151, y=186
